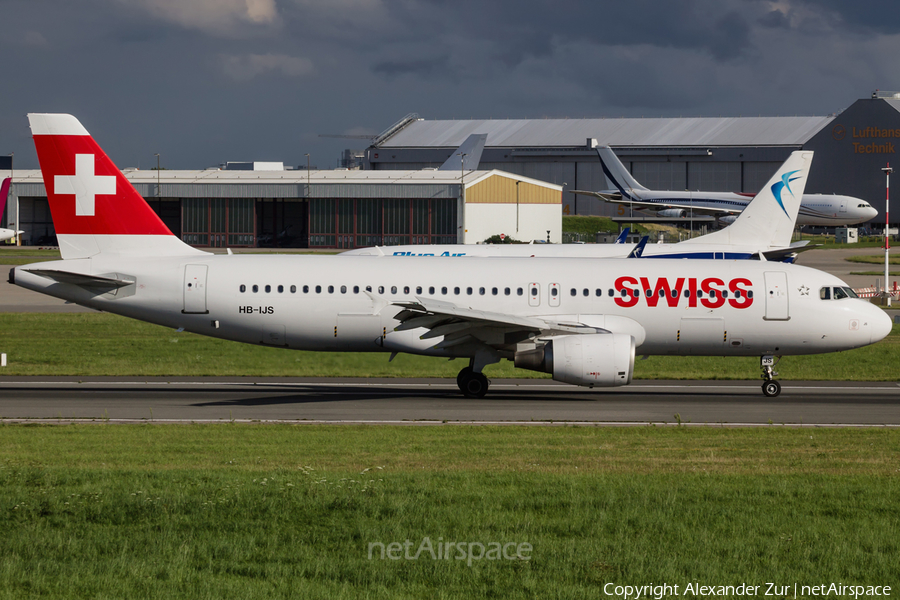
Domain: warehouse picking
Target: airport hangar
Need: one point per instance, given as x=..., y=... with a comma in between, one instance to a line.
x=273, y=207
x=736, y=154
x=398, y=199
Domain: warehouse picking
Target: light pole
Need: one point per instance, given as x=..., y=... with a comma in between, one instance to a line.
x=158, y=194
x=517, y=207
x=887, y=227
x=307, y=175
x=462, y=193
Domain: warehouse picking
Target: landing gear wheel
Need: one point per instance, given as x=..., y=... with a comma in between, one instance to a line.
x=471, y=384
x=465, y=373
x=771, y=388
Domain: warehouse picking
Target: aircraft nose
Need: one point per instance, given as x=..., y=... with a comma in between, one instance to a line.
x=881, y=325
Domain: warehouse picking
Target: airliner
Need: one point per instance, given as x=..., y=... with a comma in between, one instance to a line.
x=581, y=320
x=763, y=229
x=815, y=209
x=6, y=234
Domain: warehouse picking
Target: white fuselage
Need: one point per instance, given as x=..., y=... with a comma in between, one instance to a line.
x=345, y=302
x=815, y=209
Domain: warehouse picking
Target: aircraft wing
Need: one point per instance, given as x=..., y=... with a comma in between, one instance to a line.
x=616, y=198
x=459, y=325
x=609, y=196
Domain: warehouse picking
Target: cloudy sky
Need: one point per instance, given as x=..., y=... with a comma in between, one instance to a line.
x=206, y=81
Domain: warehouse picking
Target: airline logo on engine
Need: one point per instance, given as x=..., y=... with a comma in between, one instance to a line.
x=84, y=185
x=710, y=292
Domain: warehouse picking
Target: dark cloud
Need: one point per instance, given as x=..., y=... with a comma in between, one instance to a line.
x=775, y=19
x=205, y=81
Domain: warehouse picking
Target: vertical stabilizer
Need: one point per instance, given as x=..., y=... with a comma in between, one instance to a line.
x=616, y=174
x=95, y=208
x=467, y=156
x=769, y=219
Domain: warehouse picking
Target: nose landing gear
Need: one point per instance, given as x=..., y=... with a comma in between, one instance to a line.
x=770, y=387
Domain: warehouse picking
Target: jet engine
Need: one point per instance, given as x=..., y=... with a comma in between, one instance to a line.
x=596, y=359
x=672, y=212
x=728, y=219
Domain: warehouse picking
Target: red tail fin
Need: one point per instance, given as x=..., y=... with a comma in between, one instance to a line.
x=94, y=207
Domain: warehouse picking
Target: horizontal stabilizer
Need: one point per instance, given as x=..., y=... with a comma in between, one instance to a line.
x=82, y=280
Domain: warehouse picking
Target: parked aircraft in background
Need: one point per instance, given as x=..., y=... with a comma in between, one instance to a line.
x=581, y=320
x=764, y=227
x=815, y=209
x=6, y=234
x=467, y=156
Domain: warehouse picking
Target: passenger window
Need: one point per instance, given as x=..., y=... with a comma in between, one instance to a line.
x=293, y=289
x=737, y=293
x=724, y=293
x=519, y=291
x=534, y=291
x=268, y=288
x=662, y=293
x=456, y=291
x=612, y=292
x=494, y=291
x=305, y=289
x=431, y=291
x=481, y=291
x=243, y=288
x=469, y=291
x=599, y=292
x=343, y=289
x=355, y=289
x=418, y=289
x=280, y=289
x=330, y=289
x=368, y=288
x=444, y=291
x=572, y=292
x=255, y=288
x=506, y=291
x=318, y=289
x=380, y=289
x=406, y=289
x=393, y=289
x=585, y=292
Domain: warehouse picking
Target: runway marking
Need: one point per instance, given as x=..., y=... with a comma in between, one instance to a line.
x=100, y=421
x=449, y=385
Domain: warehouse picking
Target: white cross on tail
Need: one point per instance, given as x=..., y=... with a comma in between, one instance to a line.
x=85, y=185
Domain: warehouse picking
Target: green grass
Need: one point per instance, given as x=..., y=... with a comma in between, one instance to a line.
x=873, y=260
x=231, y=511
x=99, y=344
x=591, y=225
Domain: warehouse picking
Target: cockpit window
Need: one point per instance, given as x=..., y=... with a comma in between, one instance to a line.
x=836, y=293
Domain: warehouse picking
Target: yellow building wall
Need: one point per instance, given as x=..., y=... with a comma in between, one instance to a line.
x=502, y=190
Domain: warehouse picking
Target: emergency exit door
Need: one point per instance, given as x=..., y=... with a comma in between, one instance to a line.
x=195, y=289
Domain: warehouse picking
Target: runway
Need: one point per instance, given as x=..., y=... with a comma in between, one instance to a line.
x=438, y=401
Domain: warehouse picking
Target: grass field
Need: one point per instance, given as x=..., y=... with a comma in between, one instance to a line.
x=230, y=511
x=97, y=344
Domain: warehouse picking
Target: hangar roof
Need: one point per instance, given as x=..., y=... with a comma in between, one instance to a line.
x=690, y=131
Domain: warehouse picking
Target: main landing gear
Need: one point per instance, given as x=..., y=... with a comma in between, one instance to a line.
x=770, y=387
x=472, y=384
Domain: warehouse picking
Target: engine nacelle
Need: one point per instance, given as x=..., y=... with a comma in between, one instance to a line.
x=728, y=219
x=597, y=359
x=672, y=212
